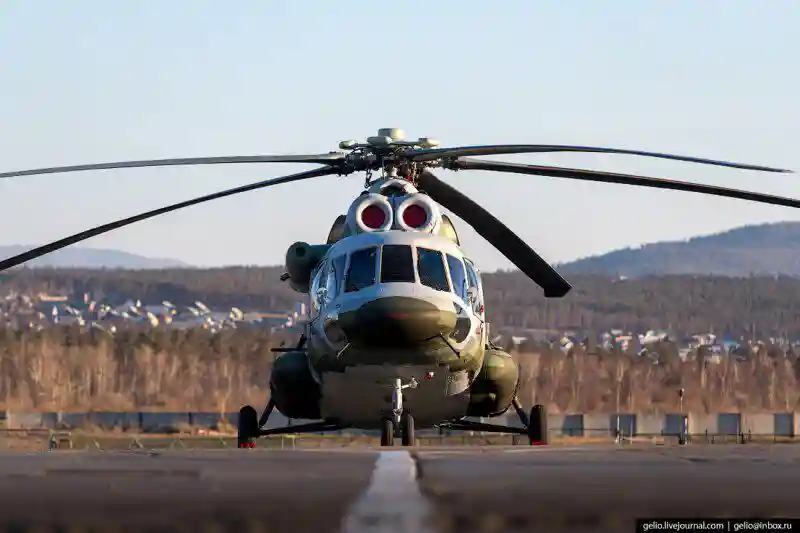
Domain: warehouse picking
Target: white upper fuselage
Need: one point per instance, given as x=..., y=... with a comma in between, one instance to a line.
x=355, y=271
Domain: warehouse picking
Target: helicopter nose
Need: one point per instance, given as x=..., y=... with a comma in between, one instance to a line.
x=396, y=319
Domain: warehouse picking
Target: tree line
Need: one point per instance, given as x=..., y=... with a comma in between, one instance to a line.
x=70, y=368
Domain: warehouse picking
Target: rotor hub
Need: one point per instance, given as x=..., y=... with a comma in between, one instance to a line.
x=396, y=134
x=385, y=152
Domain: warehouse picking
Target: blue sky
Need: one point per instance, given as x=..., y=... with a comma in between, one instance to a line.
x=89, y=81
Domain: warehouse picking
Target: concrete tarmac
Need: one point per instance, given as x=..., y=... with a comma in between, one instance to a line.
x=420, y=490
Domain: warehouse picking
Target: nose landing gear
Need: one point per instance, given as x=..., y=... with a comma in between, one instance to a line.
x=400, y=418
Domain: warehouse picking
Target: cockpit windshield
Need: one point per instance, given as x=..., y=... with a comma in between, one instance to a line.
x=432, y=272
x=397, y=264
x=361, y=272
x=434, y=268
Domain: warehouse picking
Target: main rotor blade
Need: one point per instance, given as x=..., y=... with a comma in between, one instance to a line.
x=82, y=236
x=623, y=179
x=494, y=231
x=327, y=159
x=500, y=149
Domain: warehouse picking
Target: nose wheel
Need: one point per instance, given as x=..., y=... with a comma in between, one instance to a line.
x=407, y=429
x=401, y=420
x=387, y=432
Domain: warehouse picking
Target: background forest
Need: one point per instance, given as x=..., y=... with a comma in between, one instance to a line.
x=161, y=369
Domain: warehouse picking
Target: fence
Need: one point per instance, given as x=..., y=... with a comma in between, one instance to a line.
x=785, y=424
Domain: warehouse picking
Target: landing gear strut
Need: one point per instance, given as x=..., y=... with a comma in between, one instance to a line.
x=534, y=426
x=401, y=419
x=250, y=426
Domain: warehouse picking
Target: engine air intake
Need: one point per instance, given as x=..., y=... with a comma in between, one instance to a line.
x=417, y=213
x=415, y=216
x=373, y=216
x=371, y=212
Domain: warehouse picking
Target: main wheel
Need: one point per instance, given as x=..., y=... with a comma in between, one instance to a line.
x=387, y=432
x=407, y=429
x=247, y=429
x=537, y=425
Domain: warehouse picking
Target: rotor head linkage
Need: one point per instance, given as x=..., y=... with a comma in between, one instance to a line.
x=389, y=139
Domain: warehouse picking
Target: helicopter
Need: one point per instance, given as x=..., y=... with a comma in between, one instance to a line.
x=397, y=336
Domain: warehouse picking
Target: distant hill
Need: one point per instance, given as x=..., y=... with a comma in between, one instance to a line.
x=91, y=258
x=765, y=249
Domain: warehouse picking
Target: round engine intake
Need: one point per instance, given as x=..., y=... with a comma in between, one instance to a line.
x=371, y=212
x=418, y=213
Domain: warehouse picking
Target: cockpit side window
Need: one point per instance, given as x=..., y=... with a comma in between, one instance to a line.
x=362, y=270
x=336, y=277
x=472, y=274
x=323, y=274
x=397, y=264
x=458, y=276
x=432, y=273
x=319, y=282
x=474, y=282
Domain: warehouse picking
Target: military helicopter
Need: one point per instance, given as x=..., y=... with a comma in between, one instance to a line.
x=397, y=336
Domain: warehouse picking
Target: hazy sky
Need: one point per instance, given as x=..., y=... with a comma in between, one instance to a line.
x=90, y=81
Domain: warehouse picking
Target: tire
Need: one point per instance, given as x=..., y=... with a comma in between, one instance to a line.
x=247, y=428
x=387, y=432
x=407, y=430
x=537, y=426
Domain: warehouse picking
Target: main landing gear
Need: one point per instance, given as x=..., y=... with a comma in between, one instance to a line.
x=400, y=419
x=247, y=431
x=250, y=426
x=534, y=425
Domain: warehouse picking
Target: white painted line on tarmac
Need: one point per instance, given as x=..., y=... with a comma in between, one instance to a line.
x=393, y=502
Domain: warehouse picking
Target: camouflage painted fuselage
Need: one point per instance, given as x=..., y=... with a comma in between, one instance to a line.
x=360, y=337
x=391, y=303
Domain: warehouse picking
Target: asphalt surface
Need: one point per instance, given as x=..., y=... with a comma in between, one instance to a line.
x=491, y=489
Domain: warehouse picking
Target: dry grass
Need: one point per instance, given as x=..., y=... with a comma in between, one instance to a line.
x=65, y=369
x=583, y=382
